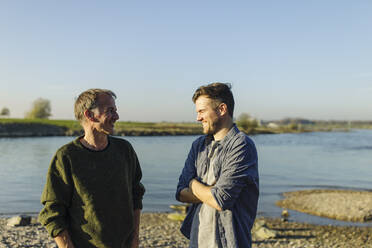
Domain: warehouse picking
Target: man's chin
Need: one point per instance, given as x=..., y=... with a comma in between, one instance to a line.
x=208, y=131
x=109, y=131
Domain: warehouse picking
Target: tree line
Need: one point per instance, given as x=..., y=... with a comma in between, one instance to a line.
x=40, y=109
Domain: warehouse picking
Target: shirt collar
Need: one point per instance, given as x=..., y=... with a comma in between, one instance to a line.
x=232, y=132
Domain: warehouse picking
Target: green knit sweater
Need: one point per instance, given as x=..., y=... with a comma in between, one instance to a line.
x=93, y=194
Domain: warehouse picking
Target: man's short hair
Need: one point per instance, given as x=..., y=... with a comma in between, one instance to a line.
x=219, y=93
x=89, y=100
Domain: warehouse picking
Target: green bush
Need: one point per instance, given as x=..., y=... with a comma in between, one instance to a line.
x=40, y=109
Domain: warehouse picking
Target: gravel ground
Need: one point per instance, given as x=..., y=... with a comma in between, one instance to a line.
x=292, y=234
x=344, y=205
x=158, y=231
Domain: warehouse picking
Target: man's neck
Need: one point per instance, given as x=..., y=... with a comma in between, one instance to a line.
x=222, y=132
x=94, y=140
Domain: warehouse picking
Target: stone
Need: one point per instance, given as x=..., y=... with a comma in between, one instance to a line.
x=180, y=208
x=368, y=216
x=264, y=233
x=20, y=220
x=176, y=216
x=285, y=213
x=284, y=219
x=261, y=232
x=258, y=224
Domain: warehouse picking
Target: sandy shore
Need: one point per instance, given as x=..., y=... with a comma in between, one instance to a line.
x=346, y=205
x=158, y=231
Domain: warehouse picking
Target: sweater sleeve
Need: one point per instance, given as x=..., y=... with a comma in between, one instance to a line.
x=56, y=196
x=138, y=190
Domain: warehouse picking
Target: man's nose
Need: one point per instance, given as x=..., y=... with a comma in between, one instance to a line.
x=198, y=117
x=116, y=116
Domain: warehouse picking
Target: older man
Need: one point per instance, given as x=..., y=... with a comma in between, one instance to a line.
x=220, y=176
x=93, y=195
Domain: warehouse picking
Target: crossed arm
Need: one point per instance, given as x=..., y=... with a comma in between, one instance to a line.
x=197, y=193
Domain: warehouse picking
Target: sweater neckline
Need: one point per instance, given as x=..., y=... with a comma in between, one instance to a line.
x=79, y=144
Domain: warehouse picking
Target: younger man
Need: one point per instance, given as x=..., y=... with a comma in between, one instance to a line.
x=220, y=176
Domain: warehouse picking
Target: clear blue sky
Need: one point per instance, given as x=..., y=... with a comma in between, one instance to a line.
x=310, y=59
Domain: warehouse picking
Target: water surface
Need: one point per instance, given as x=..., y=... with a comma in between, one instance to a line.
x=287, y=162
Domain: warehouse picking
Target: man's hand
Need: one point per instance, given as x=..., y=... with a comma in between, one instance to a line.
x=187, y=196
x=137, y=219
x=63, y=240
x=135, y=242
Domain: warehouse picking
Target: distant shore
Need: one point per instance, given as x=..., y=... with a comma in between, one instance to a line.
x=43, y=127
x=39, y=128
x=157, y=230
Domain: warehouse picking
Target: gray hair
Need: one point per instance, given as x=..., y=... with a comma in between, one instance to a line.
x=89, y=100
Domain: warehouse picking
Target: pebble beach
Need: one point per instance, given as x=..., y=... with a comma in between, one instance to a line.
x=345, y=205
x=158, y=231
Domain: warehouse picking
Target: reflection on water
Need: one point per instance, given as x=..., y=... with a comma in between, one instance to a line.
x=287, y=162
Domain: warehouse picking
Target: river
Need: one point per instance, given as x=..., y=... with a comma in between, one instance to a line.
x=287, y=162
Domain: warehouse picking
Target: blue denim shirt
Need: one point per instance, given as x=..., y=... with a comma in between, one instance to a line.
x=236, y=190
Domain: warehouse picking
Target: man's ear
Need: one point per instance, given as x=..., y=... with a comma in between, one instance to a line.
x=222, y=109
x=89, y=115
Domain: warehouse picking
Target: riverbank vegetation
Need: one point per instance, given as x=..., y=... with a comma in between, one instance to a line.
x=40, y=109
x=44, y=127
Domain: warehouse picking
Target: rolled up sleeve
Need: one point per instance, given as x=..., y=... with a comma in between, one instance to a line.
x=188, y=171
x=238, y=170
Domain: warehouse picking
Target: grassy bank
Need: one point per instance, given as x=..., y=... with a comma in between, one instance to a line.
x=44, y=127
x=17, y=127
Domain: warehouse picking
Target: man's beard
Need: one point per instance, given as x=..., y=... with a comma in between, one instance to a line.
x=213, y=128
